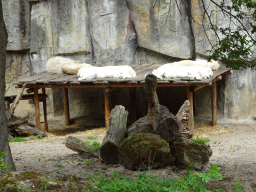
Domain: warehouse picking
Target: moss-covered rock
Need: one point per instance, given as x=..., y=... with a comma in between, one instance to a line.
x=144, y=151
x=35, y=181
x=188, y=153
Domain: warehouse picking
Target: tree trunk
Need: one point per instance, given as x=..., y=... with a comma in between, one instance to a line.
x=115, y=135
x=4, y=145
x=79, y=146
x=159, y=120
x=27, y=128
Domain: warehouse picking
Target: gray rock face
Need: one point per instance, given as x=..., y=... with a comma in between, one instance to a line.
x=16, y=17
x=188, y=153
x=69, y=26
x=161, y=28
x=201, y=25
x=114, y=32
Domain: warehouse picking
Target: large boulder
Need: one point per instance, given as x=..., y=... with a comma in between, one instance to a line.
x=188, y=153
x=144, y=151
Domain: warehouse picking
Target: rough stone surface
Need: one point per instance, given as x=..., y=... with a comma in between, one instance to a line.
x=188, y=153
x=161, y=28
x=144, y=151
x=113, y=32
x=69, y=26
x=16, y=17
x=240, y=97
x=201, y=26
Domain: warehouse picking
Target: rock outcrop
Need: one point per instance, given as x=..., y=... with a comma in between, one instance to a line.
x=112, y=32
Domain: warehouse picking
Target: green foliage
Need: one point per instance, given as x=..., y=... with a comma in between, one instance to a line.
x=91, y=137
x=16, y=139
x=200, y=140
x=58, y=165
x=88, y=161
x=95, y=143
x=2, y=164
x=190, y=182
x=39, y=136
x=235, y=42
x=87, y=142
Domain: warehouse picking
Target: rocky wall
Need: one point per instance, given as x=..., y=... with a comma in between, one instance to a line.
x=126, y=32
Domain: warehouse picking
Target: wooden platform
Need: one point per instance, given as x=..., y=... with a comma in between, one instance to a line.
x=51, y=80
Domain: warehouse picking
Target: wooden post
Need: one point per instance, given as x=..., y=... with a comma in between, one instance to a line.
x=214, y=104
x=66, y=107
x=45, y=111
x=107, y=110
x=191, y=115
x=133, y=104
x=37, y=109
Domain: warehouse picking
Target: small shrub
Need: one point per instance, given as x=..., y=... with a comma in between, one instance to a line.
x=16, y=139
x=2, y=164
x=201, y=140
x=87, y=142
x=59, y=165
x=91, y=137
x=88, y=161
x=39, y=136
x=95, y=143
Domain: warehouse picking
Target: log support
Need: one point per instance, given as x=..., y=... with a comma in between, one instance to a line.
x=214, y=104
x=191, y=115
x=66, y=107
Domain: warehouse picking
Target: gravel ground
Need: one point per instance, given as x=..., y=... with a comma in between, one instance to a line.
x=233, y=144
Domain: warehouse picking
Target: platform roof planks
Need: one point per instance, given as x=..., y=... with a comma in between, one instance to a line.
x=51, y=80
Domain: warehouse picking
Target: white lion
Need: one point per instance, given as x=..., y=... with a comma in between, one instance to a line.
x=120, y=72
x=54, y=64
x=191, y=72
x=61, y=64
x=187, y=69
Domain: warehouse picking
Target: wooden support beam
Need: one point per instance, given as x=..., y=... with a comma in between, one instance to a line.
x=133, y=104
x=37, y=109
x=214, y=104
x=15, y=103
x=191, y=115
x=45, y=112
x=107, y=108
x=66, y=107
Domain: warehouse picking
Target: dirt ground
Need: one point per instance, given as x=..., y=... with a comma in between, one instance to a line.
x=233, y=144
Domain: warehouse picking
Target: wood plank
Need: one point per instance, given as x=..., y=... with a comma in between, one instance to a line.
x=74, y=80
x=63, y=79
x=48, y=77
x=29, y=80
x=11, y=98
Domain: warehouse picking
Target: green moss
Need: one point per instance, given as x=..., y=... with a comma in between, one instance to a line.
x=143, y=150
x=29, y=175
x=6, y=179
